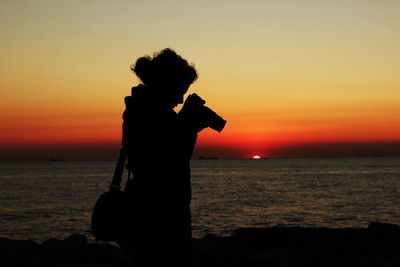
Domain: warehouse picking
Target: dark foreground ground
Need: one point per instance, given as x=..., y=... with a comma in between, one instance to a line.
x=377, y=245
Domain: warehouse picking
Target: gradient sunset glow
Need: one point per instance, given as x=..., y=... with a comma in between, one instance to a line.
x=292, y=78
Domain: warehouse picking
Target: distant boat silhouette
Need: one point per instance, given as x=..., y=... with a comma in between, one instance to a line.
x=204, y=157
x=55, y=159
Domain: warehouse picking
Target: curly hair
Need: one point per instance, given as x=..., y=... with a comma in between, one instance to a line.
x=165, y=69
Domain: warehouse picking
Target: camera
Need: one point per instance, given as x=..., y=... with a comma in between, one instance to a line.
x=194, y=104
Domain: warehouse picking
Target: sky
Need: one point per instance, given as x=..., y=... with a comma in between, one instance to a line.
x=292, y=78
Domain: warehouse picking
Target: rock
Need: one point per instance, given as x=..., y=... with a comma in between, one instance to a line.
x=15, y=252
x=53, y=243
x=383, y=230
x=75, y=241
x=309, y=255
x=286, y=237
x=270, y=257
x=379, y=245
x=17, y=245
x=216, y=251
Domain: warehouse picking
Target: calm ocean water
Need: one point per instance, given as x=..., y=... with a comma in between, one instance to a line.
x=46, y=200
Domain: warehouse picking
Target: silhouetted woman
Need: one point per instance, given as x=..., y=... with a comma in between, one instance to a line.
x=159, y=144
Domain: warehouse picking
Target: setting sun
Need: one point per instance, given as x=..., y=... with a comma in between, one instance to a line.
x=256, y=157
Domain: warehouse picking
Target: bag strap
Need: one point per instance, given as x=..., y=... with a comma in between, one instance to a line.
x=119, y=169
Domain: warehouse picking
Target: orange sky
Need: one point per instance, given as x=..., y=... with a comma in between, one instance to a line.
x=282, y=73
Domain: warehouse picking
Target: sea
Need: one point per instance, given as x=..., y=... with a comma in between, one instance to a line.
x=44, y=200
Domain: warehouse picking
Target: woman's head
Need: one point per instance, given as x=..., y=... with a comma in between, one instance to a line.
x=166, y=71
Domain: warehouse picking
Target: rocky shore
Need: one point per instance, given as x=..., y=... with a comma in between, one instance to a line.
x=377, y=245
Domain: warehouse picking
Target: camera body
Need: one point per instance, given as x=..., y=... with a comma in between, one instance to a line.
x=194, y=104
